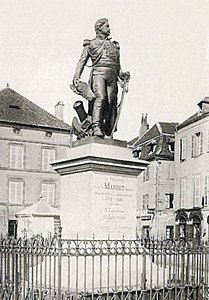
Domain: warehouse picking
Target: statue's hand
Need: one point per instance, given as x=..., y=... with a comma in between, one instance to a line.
x=127, y=76
x=76, y=80
x=124, y=75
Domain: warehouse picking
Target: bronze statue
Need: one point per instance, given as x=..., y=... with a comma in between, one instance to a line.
x=105, y=71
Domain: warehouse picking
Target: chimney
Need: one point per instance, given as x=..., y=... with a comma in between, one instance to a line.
x=144, y=125
x=204, y=106
x=59, y=110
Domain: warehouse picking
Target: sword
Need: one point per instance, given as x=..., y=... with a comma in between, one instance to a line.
x=124, y=85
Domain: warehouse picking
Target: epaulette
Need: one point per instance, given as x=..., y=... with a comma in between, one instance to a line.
x=86, y=42
x=116, y=44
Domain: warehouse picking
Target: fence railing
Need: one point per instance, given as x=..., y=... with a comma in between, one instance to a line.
x=54, y=268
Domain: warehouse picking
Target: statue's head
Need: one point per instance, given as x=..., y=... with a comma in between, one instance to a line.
x=102, y=26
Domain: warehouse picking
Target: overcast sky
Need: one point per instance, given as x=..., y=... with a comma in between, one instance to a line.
x=164, y=44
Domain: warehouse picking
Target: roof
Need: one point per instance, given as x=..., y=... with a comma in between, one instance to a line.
x=154, y=131
x=40, y=208
x=16, y=109
x=133, y=141
x=205, y=100
x=192, y=119
x=168, y=128
x=189, y=120
x=198, y=115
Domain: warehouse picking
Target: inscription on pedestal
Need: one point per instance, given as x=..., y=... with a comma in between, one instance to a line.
x=114, y=205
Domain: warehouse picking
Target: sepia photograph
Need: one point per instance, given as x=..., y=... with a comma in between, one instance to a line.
x=104, y=139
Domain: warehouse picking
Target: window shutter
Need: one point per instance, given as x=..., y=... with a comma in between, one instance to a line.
x=12, y=157
x=48, y=192
x=182, y=192
x=193, y=144
x=147, y=172
x=143, y=201
x=48, y=155
x=183, y=149
x=201, y=142
x=19, y=193
x=52, y=155
x=44, y=159
x=144, y=176
x=19, y=155
x=208, y=141
x=16, y=156
x=12, y=192
x=196, y=190
x=16, y=192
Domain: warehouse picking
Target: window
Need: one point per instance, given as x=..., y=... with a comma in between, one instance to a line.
x=197, y=144
x=12, y=228
x=182, y=230
x=169, y=232
x=144, y=176
x=147, y=173
x=48, y=192
x=146, y=232
x=152, y=146
x=16, y=156
x=171, y=146
x=171, y=171
x=183, y=144
x=169, y=198
x=205, y=198
x=145, y=203
x=193, y=145
x=182, y=192
x=196, y=190
x=48, y=155
x=16, y=191
x=135, y=153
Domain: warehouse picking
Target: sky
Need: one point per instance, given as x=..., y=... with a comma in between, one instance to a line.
x=164, y=44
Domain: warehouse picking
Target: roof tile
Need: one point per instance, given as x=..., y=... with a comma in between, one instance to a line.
x=15, y=108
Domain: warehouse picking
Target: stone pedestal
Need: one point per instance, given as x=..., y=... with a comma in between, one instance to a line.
x=99, y=189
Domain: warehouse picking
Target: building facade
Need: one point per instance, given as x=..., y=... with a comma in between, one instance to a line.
x=156, y=184
x=192, y=175
x=30, y=138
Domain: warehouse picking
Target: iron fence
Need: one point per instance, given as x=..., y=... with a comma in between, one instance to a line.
x=55, y=268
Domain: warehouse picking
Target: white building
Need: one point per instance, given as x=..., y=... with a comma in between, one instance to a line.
x=156, y=185
x=39, y=218
x=30, y=138
x=192, y=175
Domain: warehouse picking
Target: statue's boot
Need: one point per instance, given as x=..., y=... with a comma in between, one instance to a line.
x=97, y=130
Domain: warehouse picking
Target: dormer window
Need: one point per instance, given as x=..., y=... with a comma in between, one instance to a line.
x=137, y=152
x=171, y=144
x=14, y=106
x=152, y=146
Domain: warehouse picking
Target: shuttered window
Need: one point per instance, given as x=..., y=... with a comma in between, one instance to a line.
x=16, y=192
x=183, y=148
x=16, y=156
x=48, y=192
x=48, y=155
x=197, y=144
x=196, y=190
x=182, y=192
x=206, y=192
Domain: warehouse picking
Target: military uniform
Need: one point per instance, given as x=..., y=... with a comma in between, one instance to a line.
x=105, y=56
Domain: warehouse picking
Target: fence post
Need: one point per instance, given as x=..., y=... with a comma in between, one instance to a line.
x=59, y=288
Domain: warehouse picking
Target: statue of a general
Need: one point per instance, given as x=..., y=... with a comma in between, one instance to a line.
x=105, y=71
